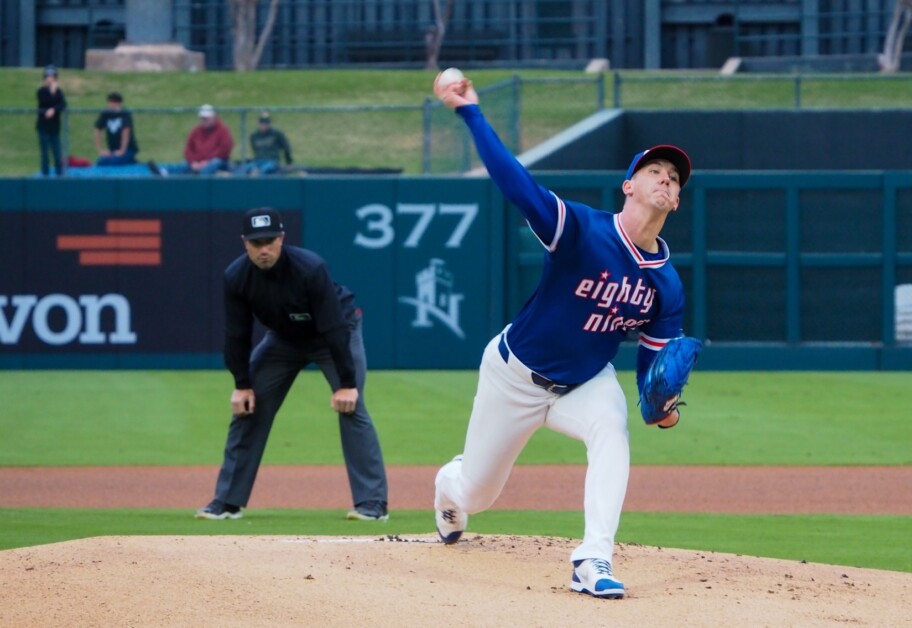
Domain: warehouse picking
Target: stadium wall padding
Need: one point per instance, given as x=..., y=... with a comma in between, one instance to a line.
x=781, y=270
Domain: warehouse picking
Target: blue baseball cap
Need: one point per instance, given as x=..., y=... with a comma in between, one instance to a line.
x=663, y=151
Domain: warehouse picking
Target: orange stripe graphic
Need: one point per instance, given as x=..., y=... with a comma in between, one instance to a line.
x=72, y=242
x=133, y=226
x=120, y=258
x=124, y=243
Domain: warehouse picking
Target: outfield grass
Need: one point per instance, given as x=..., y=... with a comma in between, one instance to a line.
x=382, y=140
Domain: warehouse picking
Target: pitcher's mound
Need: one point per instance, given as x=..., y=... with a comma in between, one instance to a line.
x=414, y=581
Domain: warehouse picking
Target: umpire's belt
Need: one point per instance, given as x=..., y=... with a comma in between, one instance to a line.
x=538, y=380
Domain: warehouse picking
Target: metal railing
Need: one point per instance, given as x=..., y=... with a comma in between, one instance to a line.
x=505, y=33
x=795, y=90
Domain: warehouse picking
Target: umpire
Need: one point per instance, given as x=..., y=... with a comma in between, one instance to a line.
x=308, y=319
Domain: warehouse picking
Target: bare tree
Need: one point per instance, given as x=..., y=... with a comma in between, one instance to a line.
x=890, y=59
x=433, y=38
x=247, y=47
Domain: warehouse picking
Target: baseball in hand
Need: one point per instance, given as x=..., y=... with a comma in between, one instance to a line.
x=447, y=77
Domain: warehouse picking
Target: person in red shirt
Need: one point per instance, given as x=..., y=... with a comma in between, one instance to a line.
x=208, y=147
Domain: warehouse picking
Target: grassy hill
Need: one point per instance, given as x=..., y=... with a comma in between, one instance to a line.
x=373, y=118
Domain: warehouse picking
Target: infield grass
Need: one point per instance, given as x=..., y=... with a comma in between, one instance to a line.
x=872, y=542
x=63, y=418
x=170, y=418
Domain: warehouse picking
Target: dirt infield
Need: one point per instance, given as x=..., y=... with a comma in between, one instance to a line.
x=740, y=490
x=402, y=582
x=484, y=581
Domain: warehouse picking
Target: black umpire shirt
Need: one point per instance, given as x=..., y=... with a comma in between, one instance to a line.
x=298, y=300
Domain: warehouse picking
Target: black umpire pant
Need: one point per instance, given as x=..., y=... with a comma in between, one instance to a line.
x=274, y=365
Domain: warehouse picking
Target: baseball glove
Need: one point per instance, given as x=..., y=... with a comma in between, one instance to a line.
x=666, y=378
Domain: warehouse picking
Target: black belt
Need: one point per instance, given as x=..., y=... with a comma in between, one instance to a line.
x=538, y=380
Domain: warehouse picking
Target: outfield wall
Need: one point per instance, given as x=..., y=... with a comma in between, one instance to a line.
x=771, y=140
x=781, y=270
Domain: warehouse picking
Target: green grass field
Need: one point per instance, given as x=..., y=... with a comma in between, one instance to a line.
x=170, y=418
x=873, y=542
x=179, y=417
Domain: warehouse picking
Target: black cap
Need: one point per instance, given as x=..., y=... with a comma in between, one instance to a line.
x=262, y=222
x=265, y=118
x=664, y=151
x=50, y=70
x=115, y=97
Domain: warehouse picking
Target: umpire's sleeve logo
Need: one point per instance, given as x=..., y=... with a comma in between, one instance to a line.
x=299, y=317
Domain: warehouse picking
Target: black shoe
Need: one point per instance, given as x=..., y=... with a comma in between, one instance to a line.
x=218, y=510
x=369, y=511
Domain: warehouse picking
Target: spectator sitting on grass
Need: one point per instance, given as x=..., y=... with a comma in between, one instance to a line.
x=268, y=144
x=208, y=147
x=115, y=125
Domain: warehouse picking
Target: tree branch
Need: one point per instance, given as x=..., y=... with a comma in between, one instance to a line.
x=266, y=32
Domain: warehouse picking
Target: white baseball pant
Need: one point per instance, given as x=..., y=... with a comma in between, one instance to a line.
x=508, y=409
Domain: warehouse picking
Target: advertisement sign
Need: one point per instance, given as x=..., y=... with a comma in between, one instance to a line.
x=115, y=283
x=418, y=255
x=142, y=288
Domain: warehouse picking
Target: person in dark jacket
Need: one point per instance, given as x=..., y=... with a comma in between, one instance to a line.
x=115, y=137
x=51, y=104
x=310, y=319
x=268, y=145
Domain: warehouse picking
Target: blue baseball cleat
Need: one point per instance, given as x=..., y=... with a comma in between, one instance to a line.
x=594, y=577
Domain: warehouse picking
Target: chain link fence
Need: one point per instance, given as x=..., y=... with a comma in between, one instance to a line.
x=428, y=138
x=425, y=138
x=325, y=138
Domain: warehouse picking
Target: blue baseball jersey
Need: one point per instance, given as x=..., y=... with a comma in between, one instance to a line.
x=596, y=286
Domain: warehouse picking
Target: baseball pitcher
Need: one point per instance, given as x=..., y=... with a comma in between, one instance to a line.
x=605, y=276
